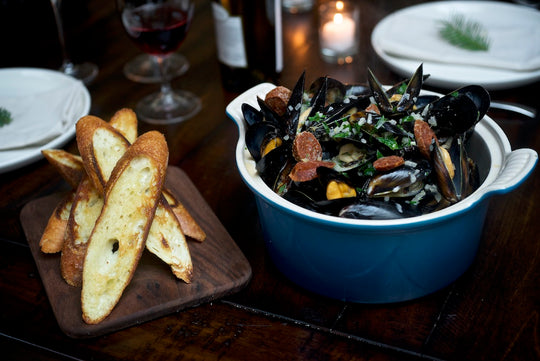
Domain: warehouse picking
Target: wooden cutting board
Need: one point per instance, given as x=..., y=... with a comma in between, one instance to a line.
x=220, y=269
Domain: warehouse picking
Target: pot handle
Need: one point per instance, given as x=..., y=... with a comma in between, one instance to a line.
x=517, y=167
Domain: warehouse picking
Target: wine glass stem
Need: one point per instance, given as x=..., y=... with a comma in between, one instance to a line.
x=166, y=89
x=66, y=62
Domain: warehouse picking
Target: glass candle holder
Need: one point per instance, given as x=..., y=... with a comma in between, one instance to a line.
x=339, y=30
x=297, y=6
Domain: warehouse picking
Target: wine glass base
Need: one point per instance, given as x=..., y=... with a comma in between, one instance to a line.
x=85, y=72
x=158, y=108
x=145, y=69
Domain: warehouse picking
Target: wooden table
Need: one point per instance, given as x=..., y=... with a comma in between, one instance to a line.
x=491, y=313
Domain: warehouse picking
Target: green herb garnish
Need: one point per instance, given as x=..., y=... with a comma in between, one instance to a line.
x=402, y=88
x=463, y=33
x=368, y=170
x=5, y=117
x=390, y=142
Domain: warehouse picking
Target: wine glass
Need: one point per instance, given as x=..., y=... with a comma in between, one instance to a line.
x=158, y=27
x=85, y=72
x=144, y=68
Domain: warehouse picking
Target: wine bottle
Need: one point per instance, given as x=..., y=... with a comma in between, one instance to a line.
x=249, y=41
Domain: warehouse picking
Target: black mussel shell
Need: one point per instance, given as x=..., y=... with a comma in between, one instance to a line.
x=328, y=207
x=424, y=100
x=379, y=94
x=272, y=165
x=332, y=90
x=409, y=96
x=459, y=111
x=404, y=181
x=259, y=134
x=411, y=93
x=318, y=101
x=480, y=96
x=358, y=90
x=251, y=115
x=465, y=174
x=378, y=210
x=268, y=114
x=294, y=107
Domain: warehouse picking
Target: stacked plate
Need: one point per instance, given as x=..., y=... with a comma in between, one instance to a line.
x=44, y=107
x=410, y=36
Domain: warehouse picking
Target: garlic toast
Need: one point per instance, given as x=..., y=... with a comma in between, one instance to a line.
x=85, y=210
x=70, y=166
x=52, y=239
x=119, y=235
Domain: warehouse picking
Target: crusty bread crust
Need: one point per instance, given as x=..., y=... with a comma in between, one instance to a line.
x=166, y=240
x=52, y=239
x=118, y=238
x=85, y=210
x=92, y=132
x=189, y=226
x=70, y=166
x=125, y=121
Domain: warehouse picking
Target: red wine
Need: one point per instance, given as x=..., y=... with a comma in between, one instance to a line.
x=157, y=29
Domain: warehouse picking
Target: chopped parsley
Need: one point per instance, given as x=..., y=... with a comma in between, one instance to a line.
x=5, y=117
x=390, y=142
x=402, y=88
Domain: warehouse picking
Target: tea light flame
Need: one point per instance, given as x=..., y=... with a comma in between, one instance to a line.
x=339, y=33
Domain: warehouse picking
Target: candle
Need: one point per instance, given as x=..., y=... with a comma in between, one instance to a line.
x=338, y=34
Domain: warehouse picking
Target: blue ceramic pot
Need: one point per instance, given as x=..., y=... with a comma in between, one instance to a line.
x=381, y=261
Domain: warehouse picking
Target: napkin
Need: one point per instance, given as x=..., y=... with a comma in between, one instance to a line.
x=514, y=40
x=39, y=118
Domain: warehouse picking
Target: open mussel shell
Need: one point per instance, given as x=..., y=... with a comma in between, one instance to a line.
x=409, y=95
x=479, y=95
x=329, y=89
x=459, y=111
x=275, y=166
x=258, y=135
x=465, y=177
x=404, y=181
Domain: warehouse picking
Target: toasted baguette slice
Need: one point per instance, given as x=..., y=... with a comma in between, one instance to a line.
x=125, y=121
x=70, y=166
x=100, y=146
x=52, y=239
x=189, y=226
x=118, y=239
x=166, y=240
x=85, y=210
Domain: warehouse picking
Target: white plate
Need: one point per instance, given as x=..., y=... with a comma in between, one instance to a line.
x=453, y=76
x=22, y=81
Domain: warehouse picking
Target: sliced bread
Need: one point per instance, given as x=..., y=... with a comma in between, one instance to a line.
x=118, y=238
